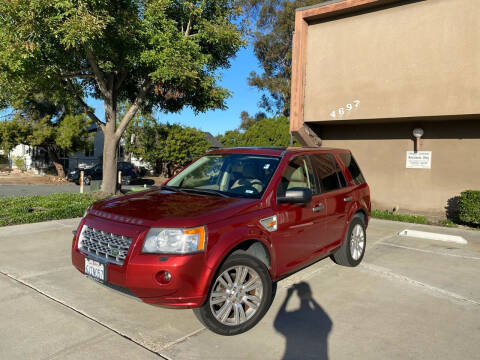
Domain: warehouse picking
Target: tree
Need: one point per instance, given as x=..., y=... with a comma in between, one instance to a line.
x=231, y=138
x=272, y=39
x=165, y=147
x=159, y=54
x=268, y=132
x=248, y=121
x=265, y=132
x=37, y=121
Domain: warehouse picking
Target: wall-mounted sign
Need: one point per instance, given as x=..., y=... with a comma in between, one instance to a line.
x=419, y=160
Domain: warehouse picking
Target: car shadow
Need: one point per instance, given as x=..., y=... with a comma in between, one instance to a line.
x=306, y=329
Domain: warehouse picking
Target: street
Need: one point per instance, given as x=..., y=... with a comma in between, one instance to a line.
x=23, y=190
x=410, y=298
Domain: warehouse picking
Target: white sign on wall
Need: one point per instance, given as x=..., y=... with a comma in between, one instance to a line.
x=419, y=160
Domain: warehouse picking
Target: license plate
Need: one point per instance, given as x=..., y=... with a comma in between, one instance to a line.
x=95, y=270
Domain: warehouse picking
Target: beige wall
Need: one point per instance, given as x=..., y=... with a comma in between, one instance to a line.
x=381, y=149
x=417, y=59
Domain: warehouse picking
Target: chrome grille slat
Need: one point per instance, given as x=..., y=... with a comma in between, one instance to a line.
x=111, y=247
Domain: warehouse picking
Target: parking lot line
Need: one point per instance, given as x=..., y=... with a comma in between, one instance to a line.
x=429, y=251
x=433, y=290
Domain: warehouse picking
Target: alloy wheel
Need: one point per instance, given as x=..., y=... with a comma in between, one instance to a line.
x=357, y=242
x=236, y=295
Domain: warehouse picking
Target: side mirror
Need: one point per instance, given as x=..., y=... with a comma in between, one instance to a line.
x=296, y=196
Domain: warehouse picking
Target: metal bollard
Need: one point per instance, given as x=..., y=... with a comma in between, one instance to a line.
x=81, y=182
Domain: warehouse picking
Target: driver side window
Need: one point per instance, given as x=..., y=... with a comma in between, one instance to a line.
x=298, y=174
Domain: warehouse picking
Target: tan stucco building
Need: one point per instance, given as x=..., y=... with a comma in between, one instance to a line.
x=366, y=73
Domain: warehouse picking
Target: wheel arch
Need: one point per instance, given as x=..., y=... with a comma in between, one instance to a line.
x=361, y=212
x=255, y=247
x=358, y=210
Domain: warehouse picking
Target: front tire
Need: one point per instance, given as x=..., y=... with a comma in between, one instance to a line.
x=353, y=248
x=239, y=296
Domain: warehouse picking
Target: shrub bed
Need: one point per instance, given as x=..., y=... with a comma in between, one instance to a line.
x=389, y=215
x=36, y=208
x=469, y=207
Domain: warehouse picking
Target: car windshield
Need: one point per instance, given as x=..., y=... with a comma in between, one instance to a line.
x=238, y=175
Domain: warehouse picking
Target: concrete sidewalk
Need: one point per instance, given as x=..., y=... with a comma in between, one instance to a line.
x=410, y=298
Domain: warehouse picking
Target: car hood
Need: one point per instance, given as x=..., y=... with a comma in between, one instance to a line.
x=171, y=209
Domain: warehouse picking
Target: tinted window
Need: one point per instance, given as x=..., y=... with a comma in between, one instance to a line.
x=298, y=174
x=353, y=168
x=329, y=174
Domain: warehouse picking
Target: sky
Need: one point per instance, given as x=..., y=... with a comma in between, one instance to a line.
x=217, y=122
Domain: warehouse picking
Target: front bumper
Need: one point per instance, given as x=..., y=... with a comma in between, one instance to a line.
x=140, y=273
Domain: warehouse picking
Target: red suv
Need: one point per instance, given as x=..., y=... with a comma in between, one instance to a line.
x=219, y=234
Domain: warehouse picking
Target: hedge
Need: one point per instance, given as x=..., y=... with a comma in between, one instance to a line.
x=36, y=208
x=469, y=207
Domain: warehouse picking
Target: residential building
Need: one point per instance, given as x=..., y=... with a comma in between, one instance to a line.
x=367, y=73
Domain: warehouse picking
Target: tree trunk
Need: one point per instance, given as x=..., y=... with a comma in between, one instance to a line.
x=109, y=182
x=56, y=162
x=110, y=140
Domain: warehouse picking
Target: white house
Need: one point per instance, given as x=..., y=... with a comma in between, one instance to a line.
x=21, y=152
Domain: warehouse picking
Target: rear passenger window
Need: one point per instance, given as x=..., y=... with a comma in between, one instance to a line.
x=329, y=174
x=353, y=168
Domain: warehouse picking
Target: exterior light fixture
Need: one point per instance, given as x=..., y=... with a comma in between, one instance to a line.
x=418, y=133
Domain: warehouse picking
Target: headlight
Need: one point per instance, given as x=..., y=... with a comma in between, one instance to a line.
x=174, y=241
x=86, y=211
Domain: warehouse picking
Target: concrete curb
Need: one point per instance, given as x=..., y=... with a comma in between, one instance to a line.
x=433, y=236
x=38, y=226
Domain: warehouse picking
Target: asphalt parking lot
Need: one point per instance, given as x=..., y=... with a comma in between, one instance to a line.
x=410, y=298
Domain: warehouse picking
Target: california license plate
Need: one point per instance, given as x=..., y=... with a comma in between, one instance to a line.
x=95, y=270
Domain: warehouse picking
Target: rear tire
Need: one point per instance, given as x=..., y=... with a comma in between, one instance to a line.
x=353, y=248
x=239, y=297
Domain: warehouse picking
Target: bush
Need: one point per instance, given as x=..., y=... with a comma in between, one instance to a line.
x=4, y=164
x=36, y=208
x=389, y=215
x=469, y=207
x=19, y=162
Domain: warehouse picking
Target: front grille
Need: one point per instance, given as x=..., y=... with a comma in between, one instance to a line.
x=104, y=245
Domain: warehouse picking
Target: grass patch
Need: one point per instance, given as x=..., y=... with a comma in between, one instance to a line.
x=389, y=215
x=36, y=208
x=448, y=223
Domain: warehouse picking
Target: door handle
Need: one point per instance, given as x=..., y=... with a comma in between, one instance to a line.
x=347, y=199
x=318, y=208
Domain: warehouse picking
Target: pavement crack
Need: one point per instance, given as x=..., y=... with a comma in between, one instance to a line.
x=182, y=339
x=19, y=281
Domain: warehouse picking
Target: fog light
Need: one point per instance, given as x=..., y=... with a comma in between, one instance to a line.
x=163, y=277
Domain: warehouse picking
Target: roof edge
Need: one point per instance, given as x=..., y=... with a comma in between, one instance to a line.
x=318, y=5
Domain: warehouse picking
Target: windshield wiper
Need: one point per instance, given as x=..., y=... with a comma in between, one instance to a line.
x=205, y=191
